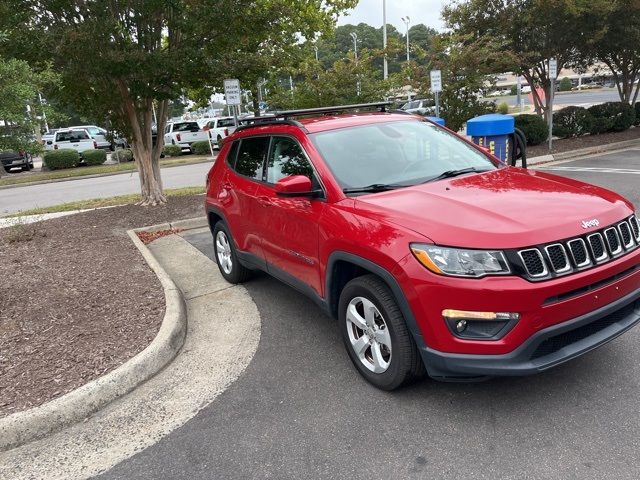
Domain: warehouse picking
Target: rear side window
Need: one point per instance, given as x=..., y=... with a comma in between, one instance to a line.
x=73, y=136
x=226, y=122
x=186, y=127
x=251, y=155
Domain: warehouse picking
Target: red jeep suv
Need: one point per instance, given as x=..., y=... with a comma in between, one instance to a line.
x=432, y=254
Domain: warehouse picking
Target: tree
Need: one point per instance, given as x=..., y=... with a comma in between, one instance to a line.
x=528, y=32
x=121, y=60
x=18, y=119
x=614, y=39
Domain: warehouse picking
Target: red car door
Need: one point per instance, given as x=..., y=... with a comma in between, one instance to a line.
x=289, y=225
x=238, y=192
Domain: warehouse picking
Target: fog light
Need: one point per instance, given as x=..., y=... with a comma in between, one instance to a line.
x=479, y=325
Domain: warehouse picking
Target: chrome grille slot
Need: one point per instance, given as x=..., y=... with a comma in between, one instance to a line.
x=597, y=247
x=625, y=235
x=635, y=228
x=558, y=258
x=579, y=254
x=613, y=241
x=533, y=262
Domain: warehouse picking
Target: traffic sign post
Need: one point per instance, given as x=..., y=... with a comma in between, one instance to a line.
x=233, y=94
x=436, y=88
x=553, y=73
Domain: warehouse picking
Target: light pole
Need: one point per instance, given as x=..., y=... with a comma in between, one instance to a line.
x=354, y=35
x=385, y=69
x=406, y=21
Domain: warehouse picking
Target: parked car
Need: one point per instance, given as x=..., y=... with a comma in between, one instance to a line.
x=184, y=134
x=218, y=129
x=47, y=138
x=16, y=159
x=100, y=135
x=432, y=254
x=420, y=107
x=75, y=139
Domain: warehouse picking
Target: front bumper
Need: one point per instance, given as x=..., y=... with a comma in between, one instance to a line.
x=545, y=349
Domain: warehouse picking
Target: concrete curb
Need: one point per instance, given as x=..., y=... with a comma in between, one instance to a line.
x=187, y=224
x=23, y=427
x=610, y=147
x=96, y=175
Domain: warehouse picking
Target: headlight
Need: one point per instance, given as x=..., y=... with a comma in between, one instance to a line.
x=460, y=262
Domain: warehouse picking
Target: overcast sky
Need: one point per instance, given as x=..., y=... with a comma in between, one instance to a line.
x=419, y=11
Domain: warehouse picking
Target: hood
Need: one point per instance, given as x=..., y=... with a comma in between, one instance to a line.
x=505, y=208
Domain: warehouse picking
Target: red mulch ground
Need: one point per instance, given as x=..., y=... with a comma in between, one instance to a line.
x=148, y=237
x=78, y=299
x=567, y=144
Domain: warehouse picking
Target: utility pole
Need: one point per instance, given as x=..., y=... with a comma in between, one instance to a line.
x=406, y=21
x=354, y=35
x=385, y=70
x=315, y=47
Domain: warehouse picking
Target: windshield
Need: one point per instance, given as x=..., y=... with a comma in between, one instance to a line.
x=395, y=153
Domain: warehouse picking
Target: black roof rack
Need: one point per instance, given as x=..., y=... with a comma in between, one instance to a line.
x=284, y=117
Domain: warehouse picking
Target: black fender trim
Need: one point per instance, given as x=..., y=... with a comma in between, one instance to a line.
x=388, y=278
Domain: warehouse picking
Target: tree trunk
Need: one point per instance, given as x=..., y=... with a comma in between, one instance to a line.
x=140, y=115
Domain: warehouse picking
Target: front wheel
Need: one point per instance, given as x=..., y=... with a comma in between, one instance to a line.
x=226, y=258
x=376, y=335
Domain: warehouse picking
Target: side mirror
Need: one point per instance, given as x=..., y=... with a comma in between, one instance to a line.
x=294, y=186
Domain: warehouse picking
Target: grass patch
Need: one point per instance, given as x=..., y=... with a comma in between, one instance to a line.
x=95, y=170
x=106, y=202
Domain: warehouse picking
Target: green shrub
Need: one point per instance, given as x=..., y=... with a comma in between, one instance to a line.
x=59, y=159
x=612, y=117
x=201, y=148
x=94, y=157
x=565, y=84
x=172, y=150
x=637, y=108
x=572, y=122
x=122, y=155
x=503, y=108
x=534, y=128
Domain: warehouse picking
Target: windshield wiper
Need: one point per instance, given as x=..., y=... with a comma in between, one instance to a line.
x=455, y=173
x=375, y=187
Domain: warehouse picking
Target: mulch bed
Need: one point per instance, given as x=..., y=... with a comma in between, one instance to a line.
x=567, y=144
x=148, y=237
x=77, y=300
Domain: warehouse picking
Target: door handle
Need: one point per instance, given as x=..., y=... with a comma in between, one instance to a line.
x=264, y=200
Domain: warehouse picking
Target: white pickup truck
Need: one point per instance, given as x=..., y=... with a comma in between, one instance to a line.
x=219, y=128
x=184, y=134
x=75, y=139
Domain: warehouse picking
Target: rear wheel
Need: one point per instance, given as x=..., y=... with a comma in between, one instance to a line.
x=226, y=258
x=376, y=335
x=219, y=142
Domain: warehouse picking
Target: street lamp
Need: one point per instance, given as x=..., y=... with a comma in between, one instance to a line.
x=354, y=35
x=406, y=21
x=385, y=69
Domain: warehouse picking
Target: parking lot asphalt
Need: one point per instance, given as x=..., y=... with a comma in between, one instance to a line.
x=301, y=410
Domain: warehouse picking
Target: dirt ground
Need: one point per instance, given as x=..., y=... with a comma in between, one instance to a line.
x=78, y=299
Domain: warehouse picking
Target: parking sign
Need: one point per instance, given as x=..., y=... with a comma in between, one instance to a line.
x=232, y=91
x=553, y=68
x=436, y=81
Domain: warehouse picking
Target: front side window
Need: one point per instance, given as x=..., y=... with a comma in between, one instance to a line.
x=287, y=158
x=251, y=155
x=399, y=153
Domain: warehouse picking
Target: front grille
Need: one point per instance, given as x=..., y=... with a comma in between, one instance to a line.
x=557, y=342
x=597, y=247
x=559, y=258
x=579, y=253
x=633, y=221
x=625, y=234
x=533, y=262
x=613, y=241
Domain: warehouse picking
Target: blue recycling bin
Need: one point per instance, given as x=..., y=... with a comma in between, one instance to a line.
x=438, y=120
x=492, y=131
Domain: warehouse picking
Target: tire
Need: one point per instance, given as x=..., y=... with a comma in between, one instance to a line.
x=226, y=257
x=219, y=142
x=384, y=367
